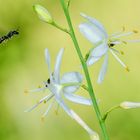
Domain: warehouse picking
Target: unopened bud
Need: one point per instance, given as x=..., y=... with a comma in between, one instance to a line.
x=94, y=136
x=129, y=105
x=43, y=13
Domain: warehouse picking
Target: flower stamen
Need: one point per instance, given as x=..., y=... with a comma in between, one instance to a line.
x=39, y=86
x=57, y=109
x=135, y=31
x=121, y=52
x=26, y=92
x=127, y=69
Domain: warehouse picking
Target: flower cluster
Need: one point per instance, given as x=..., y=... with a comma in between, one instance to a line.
x=65, y=86
x=95, y=32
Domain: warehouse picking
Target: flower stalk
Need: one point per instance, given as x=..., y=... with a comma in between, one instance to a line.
x=84, y=65
x=59, y=27
x=109, y=111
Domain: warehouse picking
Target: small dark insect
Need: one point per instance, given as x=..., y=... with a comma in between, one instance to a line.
x=111, y=45
x=48, y=81
x=8, y=36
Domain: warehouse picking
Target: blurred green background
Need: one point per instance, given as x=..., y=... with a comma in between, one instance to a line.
x=22, y=66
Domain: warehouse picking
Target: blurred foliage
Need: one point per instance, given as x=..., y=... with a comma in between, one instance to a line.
x=22, y=66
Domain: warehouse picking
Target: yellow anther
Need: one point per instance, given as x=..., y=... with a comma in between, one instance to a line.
x=124, y=42
x=56, y=112
x=123, y=28
x=57, y=109
x=135, y=31
x=127, y=69
x=26, y=92
x=39, y=86
x=43, y=119
x=45, y=102
x=122, y=53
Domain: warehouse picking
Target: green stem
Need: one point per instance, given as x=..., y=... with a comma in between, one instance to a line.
x=110, y=110
x=90, y=88
x=60, y=28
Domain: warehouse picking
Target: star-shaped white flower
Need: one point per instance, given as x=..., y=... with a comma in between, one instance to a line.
x=95, y=32
x=65, y=86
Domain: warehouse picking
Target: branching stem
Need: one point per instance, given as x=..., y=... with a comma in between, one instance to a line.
x=90, y=88
x=109, y=111
x=60, y=28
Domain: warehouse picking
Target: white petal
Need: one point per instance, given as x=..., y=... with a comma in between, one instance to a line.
x=92, y=32
x=46, y=98
x=63, y=105
x=78, y=99
x=100, y=50
x=103, y=69
x=91, y=60
x=93, y=135
x=71, y=77
x=97, y=53
x=95, y=22
x=129, y=105
x=48, y=61
x=57, y=65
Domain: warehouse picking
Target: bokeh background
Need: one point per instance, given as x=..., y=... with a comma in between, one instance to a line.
x=22, y=66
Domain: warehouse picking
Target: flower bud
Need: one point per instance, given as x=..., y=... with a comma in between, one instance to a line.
x=43, y=13
x=94, y=136
x=129, y=105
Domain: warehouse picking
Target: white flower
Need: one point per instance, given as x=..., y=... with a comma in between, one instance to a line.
x=65, y=86
x=95, y=32
x=129, y=105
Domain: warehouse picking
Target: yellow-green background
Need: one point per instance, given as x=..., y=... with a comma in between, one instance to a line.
x=22, y=66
